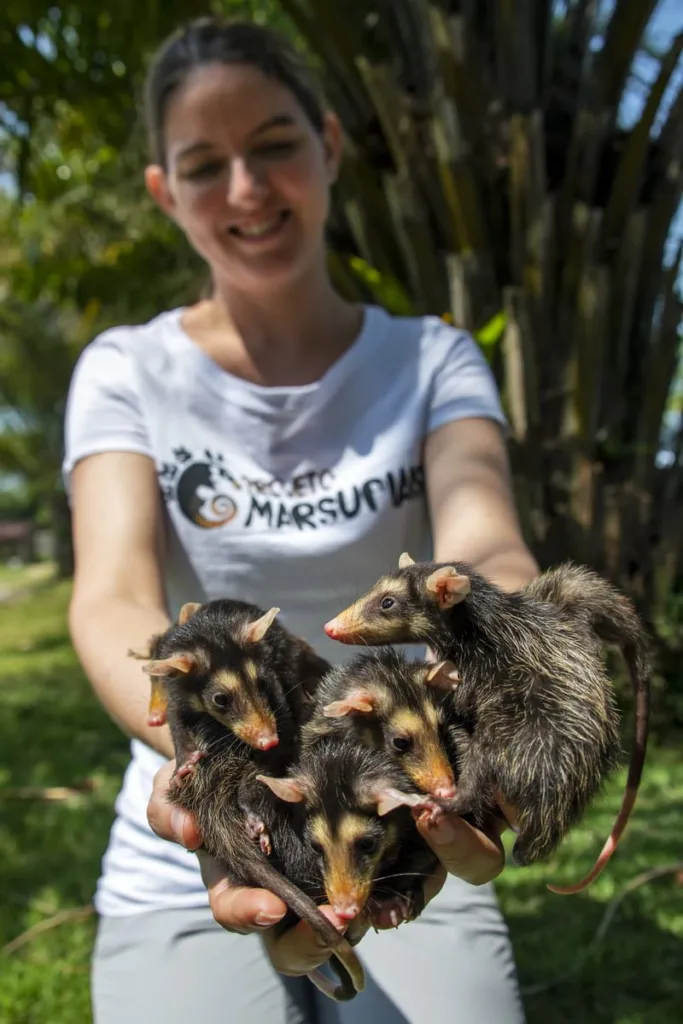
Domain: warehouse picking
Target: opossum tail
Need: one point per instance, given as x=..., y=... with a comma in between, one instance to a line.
x=346, y=964
x=635, y=656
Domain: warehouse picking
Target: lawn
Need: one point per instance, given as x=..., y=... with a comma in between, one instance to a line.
x=53, y=733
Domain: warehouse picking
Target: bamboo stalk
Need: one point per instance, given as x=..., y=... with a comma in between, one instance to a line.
x=628, y=178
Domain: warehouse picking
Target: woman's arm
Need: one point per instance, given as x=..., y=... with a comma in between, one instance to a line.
x=471, y=504
x=118, y=603
x=118, y=599
x=474, y=520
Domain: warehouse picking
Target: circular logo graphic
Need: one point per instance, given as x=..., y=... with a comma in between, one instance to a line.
x=202, y=496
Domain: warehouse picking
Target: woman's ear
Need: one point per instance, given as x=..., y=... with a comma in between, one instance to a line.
x=333, y=142
x=156, y=181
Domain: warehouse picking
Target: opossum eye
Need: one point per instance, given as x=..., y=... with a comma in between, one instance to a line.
x=221, y=700
x=402, y=743
x=366, y=845
x=316, y=847
x=386, y=603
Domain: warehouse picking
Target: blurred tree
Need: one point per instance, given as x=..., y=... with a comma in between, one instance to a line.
x=488, y=171
x=78, y=234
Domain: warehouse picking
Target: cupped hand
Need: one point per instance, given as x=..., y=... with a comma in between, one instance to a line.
x=473, y=854
x=239, y=908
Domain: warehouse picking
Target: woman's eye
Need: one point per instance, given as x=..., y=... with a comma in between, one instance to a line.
x=402, y=743
x=387, y=603
x=221, y=700
x=209, y=170
x=276, y=149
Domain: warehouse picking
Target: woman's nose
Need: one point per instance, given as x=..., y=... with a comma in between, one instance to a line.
x=244, y=184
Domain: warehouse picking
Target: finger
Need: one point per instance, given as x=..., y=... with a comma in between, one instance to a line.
x=435, y=883
x=463, y=850
x=168, y=820
x=235, y=907
x=510, y=813
x=300, y=949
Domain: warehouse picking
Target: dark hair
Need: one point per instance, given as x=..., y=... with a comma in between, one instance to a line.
x=213, y=40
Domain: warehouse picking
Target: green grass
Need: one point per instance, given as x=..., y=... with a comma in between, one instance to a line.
x=53, y=732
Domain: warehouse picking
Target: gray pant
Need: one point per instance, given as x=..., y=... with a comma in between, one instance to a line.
x=454, y=964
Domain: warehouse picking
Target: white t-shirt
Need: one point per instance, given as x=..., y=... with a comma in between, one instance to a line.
x=292, y=496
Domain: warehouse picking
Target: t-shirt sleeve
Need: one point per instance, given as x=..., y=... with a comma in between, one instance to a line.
x=103, y=409
x=462, y=383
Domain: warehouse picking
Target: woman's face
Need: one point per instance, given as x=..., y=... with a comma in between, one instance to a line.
x=247, y=176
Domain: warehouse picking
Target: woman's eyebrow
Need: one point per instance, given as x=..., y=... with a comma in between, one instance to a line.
x=276, y=121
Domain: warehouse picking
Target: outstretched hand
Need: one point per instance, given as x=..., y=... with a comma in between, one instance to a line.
x=463, y=850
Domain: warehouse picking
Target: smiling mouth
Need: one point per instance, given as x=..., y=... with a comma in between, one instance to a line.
x=261, y=229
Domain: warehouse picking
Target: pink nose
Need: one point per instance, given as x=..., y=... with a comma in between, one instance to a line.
x=331, y=629
x=444, y=790
x=267, y=741
x=346, y=910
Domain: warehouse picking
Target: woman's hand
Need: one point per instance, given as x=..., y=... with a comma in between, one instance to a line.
x=473, y=854
x=463, y=850
x=238, y=908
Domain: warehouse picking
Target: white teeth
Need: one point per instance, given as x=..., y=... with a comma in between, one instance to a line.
x=255, y=230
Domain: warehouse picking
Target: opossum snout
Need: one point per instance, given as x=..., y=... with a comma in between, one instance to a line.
x=347, y=907
x=257, y=733
x=337, y=629
x=266, y=741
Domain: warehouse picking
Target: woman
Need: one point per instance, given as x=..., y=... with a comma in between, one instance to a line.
x=277, y=444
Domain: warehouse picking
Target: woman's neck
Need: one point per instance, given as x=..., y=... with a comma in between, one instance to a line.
x=292, y=338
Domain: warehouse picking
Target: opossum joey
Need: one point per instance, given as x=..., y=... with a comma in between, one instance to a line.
x=222, y=792
x=394, y=705
x=359, y=824
x=533, y=685
x=236, y=663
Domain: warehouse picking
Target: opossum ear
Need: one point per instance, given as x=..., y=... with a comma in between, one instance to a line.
x=157, y=711
x=444, y=675
x=290, y=790
x=256, y=630
x=448, y=585
x=177, y=663
x=187, y=611
x=405, y=560
x=388, y=799
x=357, y=700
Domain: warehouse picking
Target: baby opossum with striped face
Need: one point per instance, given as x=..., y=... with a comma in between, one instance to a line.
x=232, y=651
x=357, y=804
x=394, y=705
x=533, y=693
x=239, y=665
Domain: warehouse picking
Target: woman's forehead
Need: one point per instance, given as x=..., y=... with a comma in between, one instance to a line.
x=235, y=100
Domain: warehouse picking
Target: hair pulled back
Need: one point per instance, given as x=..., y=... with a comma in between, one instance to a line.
x=210, y=40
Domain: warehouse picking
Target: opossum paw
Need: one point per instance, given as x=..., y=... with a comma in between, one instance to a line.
x=256, y=830
x=428, y=812
x=187, y=768
x=398, y=909
x=390, y=913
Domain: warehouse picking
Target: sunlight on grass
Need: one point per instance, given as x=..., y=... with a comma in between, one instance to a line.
x=54, y=733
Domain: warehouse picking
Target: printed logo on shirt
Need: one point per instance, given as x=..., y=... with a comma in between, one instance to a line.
x=203, y=488
x=210, y=495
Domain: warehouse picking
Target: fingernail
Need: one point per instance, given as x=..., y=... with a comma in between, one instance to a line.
x=442, y=834
x=178, y=822
x=263, y=920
